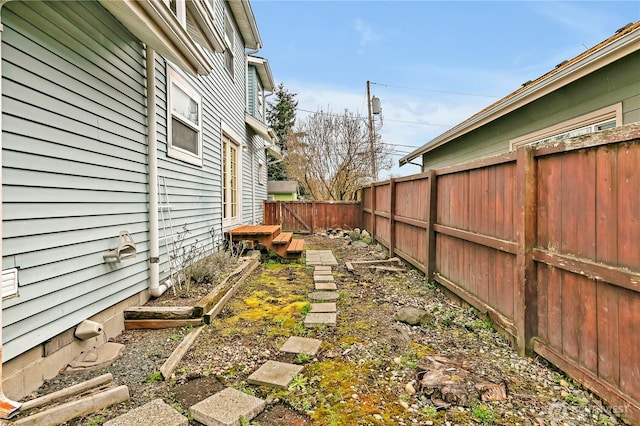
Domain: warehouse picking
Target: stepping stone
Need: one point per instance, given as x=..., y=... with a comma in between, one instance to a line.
x=152, y=413
x=226, y=407
x=325, y=286
x=323, y=296
x=320, y=258
x=323, y=307
x=321, y=269
x=316, y=272
x=323, y=278
x=314, y=319
x=274, y=373
x=299, y=345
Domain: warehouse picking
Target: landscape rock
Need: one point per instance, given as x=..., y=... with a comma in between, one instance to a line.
x=411, y=315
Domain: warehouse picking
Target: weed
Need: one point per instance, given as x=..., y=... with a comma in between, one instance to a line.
x=175, y=336
x=302, y=358
x=483, y=413
x=429, y=411
x=245, y=388
x=305, y=309
x=299, y=329
x=604, y=420
x=96, y=421
x=572, y=399
x=341, y=295
x=486, y=325
x=243, y=422
x=156, y=376
x=298, y=383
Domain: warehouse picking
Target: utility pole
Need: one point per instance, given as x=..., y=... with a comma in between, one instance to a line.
x=374, y=172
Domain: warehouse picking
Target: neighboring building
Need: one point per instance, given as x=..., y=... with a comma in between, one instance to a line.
x=282, y=190
x=597, y=90
x=82, y=162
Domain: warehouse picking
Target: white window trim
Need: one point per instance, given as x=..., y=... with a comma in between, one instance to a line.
x=229, y=40
x=173, y=151
x=261, y=173
x=596, y=117
x=235, y=139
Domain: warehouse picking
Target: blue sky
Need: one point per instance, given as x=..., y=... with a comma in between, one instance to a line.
x=418, y=51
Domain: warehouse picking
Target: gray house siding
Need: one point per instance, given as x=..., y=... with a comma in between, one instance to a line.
x=74, y=165
x=617, y=82
x=195, y=192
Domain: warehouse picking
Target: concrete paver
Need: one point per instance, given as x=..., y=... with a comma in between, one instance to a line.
x=321, y=268
x=226, y=407
x=323, y=307
x=322, y=272
x=314, y=319
x=153, y=413
x=323, y=278
x=299, y=345
x=326, y=286
x=323, y=296
x=274, y=373
x=320, y=258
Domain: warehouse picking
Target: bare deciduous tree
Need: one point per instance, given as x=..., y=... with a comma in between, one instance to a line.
x=330, y=156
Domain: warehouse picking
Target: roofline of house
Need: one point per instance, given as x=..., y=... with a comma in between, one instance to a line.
x=264, y=71
x=243, y=14
x=601, y=55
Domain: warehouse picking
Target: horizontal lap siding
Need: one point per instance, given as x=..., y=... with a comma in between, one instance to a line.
x=588, y=208
x=74, y=165
x=195, y=192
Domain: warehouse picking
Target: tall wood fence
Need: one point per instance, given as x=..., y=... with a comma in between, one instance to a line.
x=311, y=216
x=545, y=240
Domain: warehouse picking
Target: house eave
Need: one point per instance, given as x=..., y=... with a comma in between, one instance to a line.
x=243, y=15
x=153, y=23
x=267, y=134
x=205, y=21
x=546, y=84
x=264, y=72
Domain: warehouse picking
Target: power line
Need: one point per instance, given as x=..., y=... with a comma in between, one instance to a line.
x=333, y=114
x=424, y=123
x=436, y=91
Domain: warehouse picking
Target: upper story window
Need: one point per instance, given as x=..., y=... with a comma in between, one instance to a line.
x=229, y=38
x=185, y=121
x=179, y=8
x=596, y=121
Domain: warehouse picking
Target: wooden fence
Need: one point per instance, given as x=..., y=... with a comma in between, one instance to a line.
x=545, y=240
x=311, y=216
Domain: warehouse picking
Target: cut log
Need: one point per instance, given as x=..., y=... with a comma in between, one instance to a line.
x=176, y=356
x=387, y=268
x=71, y=390
x=158, y=312
x=157, y=323
x=349, y=266
x=71, y=410
x=375, y=262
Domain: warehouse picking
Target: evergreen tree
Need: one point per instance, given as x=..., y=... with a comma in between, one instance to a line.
x=281, y=117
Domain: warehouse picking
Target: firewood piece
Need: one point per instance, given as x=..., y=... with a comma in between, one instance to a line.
x=65, y=412
x=157, y=323
x=387, y=269
x=63, y=393
x=158, y=312
x=176, y=356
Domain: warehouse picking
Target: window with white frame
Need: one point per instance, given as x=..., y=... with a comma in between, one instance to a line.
x=596, y=121
x=229, y=38
x=261, y=174
x=230, y=174
x=179, y=8
x=185, y=120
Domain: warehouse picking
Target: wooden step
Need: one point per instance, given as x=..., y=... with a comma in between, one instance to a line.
x=283, y=238
x=296, y=246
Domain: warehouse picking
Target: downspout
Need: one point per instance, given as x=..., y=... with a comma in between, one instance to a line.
x=8, y=408
x=155, y=287
x=253, y=184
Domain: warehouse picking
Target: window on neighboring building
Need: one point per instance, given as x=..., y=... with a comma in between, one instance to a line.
x=230, y=179
x=229, y=38
x=602, y=119
x=185, y=122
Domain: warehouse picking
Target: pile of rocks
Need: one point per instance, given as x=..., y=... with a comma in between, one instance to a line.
x=357, y=237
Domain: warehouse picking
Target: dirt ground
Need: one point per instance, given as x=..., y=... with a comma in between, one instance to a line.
x=369, y=366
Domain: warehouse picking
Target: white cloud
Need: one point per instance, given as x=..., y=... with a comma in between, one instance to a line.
x=365, y=30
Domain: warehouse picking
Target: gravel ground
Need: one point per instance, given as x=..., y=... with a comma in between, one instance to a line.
x=369, y=366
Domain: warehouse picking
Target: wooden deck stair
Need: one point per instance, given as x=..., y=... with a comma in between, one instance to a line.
x=272, y=237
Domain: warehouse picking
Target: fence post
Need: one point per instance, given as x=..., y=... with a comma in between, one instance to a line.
x=313, y=216
x=392, y=213
x=373, y=212
x=526, y=291
x=432, y=210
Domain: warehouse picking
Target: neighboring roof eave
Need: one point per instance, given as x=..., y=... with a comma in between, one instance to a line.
x=264, y=72
x=153, y=23
x=246, y=21
x=267, y=134
x=599, y=56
